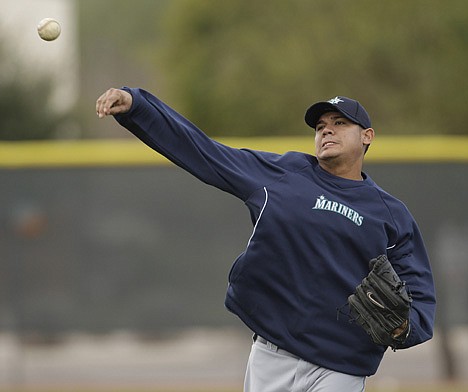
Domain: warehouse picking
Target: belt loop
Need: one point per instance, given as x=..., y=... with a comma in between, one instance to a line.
x=272, y=346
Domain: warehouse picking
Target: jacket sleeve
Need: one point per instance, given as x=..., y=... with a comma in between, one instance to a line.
x=237, y=171
x=410, y=260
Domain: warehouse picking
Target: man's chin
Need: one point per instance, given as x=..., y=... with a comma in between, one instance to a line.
x=327, y=156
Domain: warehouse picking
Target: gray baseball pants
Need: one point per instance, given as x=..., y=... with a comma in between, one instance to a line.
x=271, y=369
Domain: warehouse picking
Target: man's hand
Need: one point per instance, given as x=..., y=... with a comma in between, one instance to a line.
x=381, y=304
x=112, y=102
x=397, y=332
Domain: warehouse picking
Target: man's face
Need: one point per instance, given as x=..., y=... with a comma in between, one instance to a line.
x=337, y=137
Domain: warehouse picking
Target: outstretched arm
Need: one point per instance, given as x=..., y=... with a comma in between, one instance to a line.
x=237, y=171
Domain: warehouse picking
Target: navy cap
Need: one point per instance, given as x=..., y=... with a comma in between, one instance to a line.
x=350, y=108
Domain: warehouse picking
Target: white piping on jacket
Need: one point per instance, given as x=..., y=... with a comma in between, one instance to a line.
x=260, y=216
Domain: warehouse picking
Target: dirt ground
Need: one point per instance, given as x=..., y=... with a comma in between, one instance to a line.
x=212, y=358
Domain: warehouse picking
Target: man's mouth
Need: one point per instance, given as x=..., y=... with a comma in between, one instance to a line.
x=328, y=143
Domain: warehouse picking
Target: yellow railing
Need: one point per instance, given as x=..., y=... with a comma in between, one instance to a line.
x=131, y=152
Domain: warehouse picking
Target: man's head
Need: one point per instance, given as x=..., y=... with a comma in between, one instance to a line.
x=343, y=132
x=350, y=108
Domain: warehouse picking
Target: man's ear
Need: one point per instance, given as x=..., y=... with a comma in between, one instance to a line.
x=367, y=136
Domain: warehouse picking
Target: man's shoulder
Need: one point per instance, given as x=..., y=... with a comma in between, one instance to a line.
x=298, y=159
x=290, y=160
x=392, y=202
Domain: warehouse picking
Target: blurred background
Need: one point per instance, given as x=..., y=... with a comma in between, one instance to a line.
x=114, y=263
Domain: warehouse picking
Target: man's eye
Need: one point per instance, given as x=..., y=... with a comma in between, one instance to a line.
x=339, y=122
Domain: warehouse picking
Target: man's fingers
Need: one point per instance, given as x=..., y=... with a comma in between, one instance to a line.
x=103, y=104
x=113, y=101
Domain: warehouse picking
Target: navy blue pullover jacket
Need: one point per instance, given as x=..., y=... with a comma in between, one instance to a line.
x=313, y=236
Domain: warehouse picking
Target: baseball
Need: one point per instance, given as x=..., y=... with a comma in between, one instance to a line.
x=48, y=29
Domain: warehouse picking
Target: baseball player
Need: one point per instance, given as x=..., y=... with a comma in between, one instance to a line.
x=324, y=235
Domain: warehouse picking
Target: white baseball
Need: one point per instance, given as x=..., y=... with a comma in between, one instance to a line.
x=48, y=29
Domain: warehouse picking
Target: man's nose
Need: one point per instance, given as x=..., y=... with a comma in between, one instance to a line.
x=327, y=130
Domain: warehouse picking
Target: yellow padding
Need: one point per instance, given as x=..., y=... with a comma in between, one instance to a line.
x=131, y=152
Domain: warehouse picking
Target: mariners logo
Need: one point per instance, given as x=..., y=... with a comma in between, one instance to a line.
x=323, y=203
x=335, y=101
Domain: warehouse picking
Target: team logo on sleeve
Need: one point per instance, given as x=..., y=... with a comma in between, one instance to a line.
x=324, y=204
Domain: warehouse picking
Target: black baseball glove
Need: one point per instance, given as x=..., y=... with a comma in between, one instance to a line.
x=381, y=304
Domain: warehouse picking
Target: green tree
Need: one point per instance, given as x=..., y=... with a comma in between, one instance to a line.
x=243, y=67
x=120, y=42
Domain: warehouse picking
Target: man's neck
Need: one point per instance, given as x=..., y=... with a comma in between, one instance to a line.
x=350, y=172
